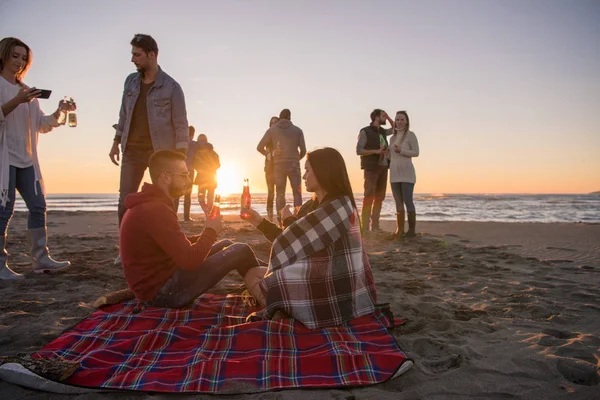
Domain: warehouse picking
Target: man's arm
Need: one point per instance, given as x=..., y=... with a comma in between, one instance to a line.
x=360, y=146
x=302, y=144
x=179, y=119
x=167, y=234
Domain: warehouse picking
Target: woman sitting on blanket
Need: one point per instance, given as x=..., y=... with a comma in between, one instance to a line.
x=318, y=271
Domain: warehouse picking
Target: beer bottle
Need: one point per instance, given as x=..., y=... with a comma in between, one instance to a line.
x=72, y=115
x=216, y=210
x=246, y=198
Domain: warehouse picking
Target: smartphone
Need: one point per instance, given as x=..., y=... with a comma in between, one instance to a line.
x=44, y=94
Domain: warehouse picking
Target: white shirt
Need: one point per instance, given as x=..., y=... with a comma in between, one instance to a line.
x=17, y=129
x=401, y=166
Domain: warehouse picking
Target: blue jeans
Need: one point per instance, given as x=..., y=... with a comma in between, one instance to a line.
x=185, y=285
x=403, y=194
x=23, y=180
x=133, y=166
x=283, y=171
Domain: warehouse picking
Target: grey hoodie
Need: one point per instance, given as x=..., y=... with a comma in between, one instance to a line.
x=285, y=139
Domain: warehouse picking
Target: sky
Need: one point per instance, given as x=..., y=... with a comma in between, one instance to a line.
x=504, y=96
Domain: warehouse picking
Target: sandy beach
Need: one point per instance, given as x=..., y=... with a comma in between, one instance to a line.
x=495, y=310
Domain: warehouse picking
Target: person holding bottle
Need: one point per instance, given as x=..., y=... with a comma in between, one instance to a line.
x=403, y=147
x=318, y=271
x=21, y=121
x=164, y=267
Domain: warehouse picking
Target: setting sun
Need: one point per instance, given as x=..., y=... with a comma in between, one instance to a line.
x=229, y=180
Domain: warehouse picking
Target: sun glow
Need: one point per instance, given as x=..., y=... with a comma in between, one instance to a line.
x=229, y=180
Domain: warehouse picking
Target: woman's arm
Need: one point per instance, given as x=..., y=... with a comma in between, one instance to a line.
x=413, y=143
x=25, y=95
x=49, y=122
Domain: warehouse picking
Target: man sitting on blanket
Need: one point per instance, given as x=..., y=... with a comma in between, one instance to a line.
x=318, y=271
x=163, y=267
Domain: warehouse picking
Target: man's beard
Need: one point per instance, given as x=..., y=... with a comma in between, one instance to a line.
x=175, y=191
x=141, y=70
x=382, y=123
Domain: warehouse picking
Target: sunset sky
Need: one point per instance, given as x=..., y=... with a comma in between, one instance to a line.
x=504, y=96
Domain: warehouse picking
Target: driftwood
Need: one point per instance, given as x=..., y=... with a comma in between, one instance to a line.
x=57, y=369
x=114, y=298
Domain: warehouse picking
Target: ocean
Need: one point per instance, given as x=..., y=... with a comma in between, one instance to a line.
x=430, y=207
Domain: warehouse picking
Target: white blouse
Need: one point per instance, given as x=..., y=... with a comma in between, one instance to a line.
x=17, y=129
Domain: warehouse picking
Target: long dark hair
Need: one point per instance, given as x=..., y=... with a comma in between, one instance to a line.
x=330, y=170
x=407, y=121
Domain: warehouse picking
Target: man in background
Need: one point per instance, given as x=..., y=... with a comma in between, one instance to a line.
x=372, y=148
x=152, y=117
x=287, y=144
x=206, y=164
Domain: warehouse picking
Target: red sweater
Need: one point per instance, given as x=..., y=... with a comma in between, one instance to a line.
x=153, y=244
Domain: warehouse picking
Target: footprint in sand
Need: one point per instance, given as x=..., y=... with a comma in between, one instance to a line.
x=578, y=371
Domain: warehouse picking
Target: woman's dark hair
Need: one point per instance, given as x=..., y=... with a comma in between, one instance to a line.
x=330, y=170
x=271, y=123
x=7, y=46
x=407, y=120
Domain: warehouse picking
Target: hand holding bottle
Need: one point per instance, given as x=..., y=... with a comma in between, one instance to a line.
x=251, y=215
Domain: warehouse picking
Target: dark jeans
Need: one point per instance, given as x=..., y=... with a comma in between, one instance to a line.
x=283, y=171
x=270, y=178
x=23, y=180
x=133, y=166
x=185, y=285
x=375, y=185
x=403, y=194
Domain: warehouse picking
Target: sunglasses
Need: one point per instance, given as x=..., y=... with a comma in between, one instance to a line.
x=139, y=38
x=182, y=174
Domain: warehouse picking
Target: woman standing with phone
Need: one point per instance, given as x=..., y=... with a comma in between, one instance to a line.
x=403, y=147
x=21, y=121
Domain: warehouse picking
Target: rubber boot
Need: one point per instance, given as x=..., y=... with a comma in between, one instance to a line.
x=412, y=223
x=5, y=272
x=42, y=262
x=400, y=218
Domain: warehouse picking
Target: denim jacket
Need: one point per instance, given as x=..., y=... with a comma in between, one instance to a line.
x=167, y=116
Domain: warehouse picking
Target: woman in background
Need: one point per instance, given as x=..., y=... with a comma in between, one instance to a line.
x=21, y=121
x=403, y=147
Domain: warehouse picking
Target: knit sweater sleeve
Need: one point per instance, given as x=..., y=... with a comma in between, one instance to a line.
x=413, y=144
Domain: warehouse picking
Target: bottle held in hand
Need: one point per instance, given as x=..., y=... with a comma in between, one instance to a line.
x=216, y=210
x=246, y=198
x=71, y=115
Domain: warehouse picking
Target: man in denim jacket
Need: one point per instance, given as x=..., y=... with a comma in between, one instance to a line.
x=153, y=117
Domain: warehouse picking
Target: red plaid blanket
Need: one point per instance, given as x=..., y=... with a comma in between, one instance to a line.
x=210, y=349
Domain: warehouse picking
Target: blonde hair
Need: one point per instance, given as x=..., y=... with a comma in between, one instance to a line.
x=7, y=46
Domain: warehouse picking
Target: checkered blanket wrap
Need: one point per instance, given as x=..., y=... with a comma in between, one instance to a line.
x=210, y=349
x=318, y=270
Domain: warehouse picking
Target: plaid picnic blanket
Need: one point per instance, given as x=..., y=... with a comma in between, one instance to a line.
x=210, y=349
x=319, y=272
